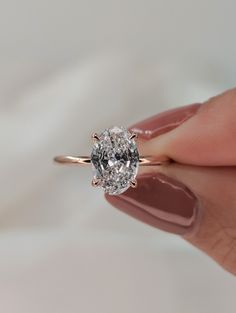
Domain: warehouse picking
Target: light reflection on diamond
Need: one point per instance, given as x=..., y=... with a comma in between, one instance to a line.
x=115, y=160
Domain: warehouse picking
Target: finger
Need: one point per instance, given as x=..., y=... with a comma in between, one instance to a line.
x=190, y=205
x=199, y=134
x=196, y=202
x=215, y=230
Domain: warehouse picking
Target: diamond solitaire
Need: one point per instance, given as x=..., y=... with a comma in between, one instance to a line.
x=115, y=160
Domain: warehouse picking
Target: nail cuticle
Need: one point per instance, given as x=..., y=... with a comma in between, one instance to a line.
x=164, y=122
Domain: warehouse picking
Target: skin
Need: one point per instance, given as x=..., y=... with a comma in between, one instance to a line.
x=208, y=138
x=203, y=149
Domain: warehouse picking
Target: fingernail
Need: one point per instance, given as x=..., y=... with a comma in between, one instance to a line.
x=164, y=121
x=160, y=201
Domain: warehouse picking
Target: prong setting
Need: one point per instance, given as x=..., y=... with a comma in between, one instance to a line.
x=95, y=137
x=133, y=183
x=95, y=182
x=133, y=136
x=115, y=160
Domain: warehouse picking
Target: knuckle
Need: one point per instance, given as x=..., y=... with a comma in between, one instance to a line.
x=224, y=249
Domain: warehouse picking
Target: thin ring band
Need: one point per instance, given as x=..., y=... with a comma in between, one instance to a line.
x=84, y=160
x=115, y=160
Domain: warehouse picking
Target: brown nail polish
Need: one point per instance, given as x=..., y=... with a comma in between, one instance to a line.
x=164, y=121
x=161, y=202
x=158, y=200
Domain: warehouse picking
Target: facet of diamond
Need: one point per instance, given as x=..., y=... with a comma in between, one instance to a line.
x=115, y=160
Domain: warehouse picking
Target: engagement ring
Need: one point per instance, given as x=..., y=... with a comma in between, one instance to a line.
x=115, y=160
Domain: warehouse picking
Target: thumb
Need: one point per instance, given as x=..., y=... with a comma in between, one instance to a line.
x=195, y=201
x=198, y=203
x=215, y=230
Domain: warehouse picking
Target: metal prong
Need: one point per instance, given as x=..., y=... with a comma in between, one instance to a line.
x=95, y=182
x=133, y=183
x=133, y=136
x=95, y=137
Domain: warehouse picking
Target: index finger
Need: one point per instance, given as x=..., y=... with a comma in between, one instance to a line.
x=198, y=134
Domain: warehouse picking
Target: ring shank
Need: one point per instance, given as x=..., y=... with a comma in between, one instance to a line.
x=153, y=161
x=67, y=159
x=85, y=160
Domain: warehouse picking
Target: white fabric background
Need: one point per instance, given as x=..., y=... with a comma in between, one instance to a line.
x=68, y=68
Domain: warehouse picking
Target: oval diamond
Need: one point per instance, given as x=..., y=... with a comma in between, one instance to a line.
x=115, y=160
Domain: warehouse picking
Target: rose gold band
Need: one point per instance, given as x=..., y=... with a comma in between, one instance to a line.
x=67, y=159
x=84, y=160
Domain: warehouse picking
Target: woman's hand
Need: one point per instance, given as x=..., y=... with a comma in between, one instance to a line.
x=195, y=196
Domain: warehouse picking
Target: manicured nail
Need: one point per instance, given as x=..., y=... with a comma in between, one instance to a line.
x=164, y=122
x=161, y=202
x=158, y=200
